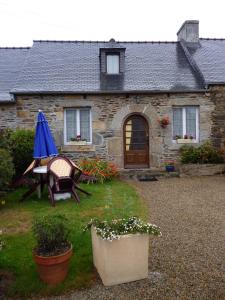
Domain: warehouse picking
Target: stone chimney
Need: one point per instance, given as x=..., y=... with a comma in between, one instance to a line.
x=189, y=32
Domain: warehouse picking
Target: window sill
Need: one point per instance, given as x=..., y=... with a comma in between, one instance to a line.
x=112, y=74
x=78, y=148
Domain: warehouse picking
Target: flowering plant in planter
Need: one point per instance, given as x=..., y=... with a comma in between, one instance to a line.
x=164, y=121
x=112, y=230
x=78, y=139
x=169, y=163
x=186, y=137
x=111, y=241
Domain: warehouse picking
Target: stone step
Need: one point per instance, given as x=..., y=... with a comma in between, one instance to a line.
x=146, y=174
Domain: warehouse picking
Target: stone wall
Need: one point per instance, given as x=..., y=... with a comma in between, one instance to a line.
x=108, y=115
x=7, y=116
x=201, y=169
x=217, y=96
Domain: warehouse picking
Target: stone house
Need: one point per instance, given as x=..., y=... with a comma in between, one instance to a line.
x=105, y=99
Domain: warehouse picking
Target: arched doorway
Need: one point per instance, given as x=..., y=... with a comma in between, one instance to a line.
x=136, y=142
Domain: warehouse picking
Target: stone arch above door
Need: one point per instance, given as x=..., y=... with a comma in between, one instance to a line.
x=147, y=110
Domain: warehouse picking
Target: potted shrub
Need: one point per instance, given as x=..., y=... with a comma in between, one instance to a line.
x=53, y=250
x=120, y=249
x=169, y=166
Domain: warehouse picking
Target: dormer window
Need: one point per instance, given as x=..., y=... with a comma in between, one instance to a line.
x=112, y=59
x=112, y=63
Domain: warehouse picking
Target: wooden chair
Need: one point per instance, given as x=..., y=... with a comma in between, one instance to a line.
x=63, y=175
x=40, y=182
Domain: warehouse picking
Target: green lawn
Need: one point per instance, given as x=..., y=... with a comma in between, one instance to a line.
x=114, y=199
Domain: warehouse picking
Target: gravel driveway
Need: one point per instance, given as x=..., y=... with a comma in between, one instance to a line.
x=188, y=261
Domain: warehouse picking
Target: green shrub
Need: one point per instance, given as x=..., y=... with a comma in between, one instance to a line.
x=2, y=241
x=204, y=154
x=100, y=169
x=22, y=143
x=52, y=234
x=210, y=154
x=6, y=169
x=5, y=138
x=189, y=154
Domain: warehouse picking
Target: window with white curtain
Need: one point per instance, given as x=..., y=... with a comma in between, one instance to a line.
x=77, y=124
x=113, y=64
x=186, y=122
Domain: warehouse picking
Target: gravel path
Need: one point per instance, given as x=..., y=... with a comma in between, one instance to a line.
x=188, y=261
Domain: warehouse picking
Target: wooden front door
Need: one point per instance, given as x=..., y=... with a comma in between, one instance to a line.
x=136, y=142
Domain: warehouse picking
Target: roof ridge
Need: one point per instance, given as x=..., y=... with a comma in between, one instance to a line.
x=106, y=42
x=213, y=39
x=16, y=48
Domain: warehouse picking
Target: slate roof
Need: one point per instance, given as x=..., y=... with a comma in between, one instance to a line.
x=74, y=67
x=210, y=58
x=11, y=63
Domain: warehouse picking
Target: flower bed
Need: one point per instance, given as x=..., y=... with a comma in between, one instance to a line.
x=100, y=169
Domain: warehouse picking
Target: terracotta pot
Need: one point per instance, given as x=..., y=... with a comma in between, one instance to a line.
x=53, y=269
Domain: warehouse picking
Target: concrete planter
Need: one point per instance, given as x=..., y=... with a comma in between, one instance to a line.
x=77, y=143
x=186, y=141
x=122, y=260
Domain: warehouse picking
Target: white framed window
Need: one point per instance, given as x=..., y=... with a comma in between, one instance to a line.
x=186, y=122
x=113, y=63
x=77, y=124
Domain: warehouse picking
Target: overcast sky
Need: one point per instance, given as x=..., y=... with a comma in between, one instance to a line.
x=22, y=21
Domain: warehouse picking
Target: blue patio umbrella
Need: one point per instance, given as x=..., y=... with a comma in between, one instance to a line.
x=44, y=145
